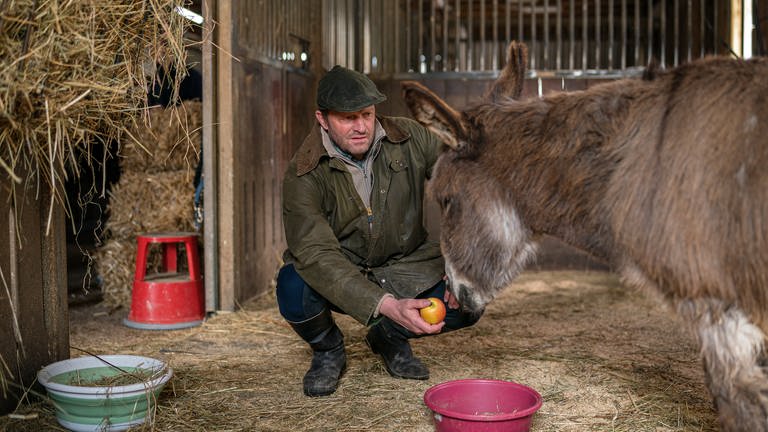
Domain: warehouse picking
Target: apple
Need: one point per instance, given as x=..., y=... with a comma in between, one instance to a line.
x=435, y=312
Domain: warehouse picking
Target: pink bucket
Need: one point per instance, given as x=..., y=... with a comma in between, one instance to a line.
x=476, y=405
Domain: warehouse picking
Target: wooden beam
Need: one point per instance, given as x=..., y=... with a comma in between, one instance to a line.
x=210, y=160
x=226, y=191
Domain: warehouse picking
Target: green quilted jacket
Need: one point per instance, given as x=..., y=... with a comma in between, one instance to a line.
x=348, y=256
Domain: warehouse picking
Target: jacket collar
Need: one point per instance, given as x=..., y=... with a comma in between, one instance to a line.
x=312, y=150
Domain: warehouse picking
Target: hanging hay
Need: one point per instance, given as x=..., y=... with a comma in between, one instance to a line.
x=75, y=73
x=163, y=144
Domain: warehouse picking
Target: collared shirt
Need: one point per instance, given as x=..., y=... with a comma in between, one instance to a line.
x=361, y=170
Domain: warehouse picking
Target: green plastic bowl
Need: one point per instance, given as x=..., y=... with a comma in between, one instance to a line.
x=84, y=405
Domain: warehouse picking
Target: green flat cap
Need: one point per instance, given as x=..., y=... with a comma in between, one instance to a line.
x=345, y=90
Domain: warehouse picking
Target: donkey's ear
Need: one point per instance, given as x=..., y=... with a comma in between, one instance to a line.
x=432, y=112
x=509, y=84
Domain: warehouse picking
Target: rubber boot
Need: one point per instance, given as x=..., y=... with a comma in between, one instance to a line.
x=390, y=340
x=328, y=356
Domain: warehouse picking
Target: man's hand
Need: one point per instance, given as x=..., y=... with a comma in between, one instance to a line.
x=406, y=313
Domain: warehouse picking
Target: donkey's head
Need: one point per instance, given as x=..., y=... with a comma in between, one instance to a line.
x=482, y=237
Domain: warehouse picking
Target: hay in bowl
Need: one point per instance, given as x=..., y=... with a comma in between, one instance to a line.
x=104, y=393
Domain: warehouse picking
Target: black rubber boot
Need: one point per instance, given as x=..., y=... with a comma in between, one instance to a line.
x=328, y=356
x=390, y=340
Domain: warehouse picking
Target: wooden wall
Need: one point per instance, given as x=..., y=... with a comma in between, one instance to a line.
x=34, y=324
x=261, y=109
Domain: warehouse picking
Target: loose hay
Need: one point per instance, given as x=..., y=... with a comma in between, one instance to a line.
x=603, y=358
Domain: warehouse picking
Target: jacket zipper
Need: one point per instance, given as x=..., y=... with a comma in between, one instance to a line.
x=370, y=220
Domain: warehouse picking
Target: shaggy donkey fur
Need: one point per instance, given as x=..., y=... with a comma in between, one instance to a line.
x=665, y=178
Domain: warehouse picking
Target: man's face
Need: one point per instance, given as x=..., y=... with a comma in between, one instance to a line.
x=351, y=131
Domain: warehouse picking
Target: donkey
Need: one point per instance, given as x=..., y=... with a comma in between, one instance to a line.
x=665, y=178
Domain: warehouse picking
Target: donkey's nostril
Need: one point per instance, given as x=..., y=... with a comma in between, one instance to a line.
x=467, y=301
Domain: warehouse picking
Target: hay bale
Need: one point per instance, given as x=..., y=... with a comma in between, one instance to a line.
x=150, y=202
x=114, y=262
x=74, y=74
x=140, y=203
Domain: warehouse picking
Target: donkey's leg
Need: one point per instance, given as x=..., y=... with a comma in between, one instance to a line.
x=733, y=354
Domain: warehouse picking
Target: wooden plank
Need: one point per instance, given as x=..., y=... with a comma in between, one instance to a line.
x=33, y=289
x=210, y=163
x=9, y=309
x=53, y=261
x=226, y=163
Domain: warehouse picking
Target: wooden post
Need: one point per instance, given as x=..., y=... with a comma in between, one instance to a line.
x=34, y=322
x=226, y=160
x=210, y=161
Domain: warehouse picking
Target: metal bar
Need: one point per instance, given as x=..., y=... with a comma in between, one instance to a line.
x=623, y=34
x=649, y=57
x=370, y=27
x=358, y=52
x=598, y=41
x=495, y=42
x=507, y=23
x=636, y=32
x=333, y=30
x=702, y=28
x=408, y=37
x=382, y=55
x=559, y=35
x=397, y=26
x=278, y=36
x=533, y=51
x=420, y=14
x=689, y=29
x=584, y=35
x=338, y=17
x=676, y=29
x=470, y=36
x=572, y=31
x=268, y=52
x=545, y=63
x=444, y=56
x=432, y=36
x=482, y=35
x=715, y=29
x=611, y=35
x=351, y=27
x=457, y=64
x=663, y=35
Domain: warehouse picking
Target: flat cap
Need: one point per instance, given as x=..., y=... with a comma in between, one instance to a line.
x=345, y=90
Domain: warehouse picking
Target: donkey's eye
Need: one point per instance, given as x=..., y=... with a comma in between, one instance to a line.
x=445, y=202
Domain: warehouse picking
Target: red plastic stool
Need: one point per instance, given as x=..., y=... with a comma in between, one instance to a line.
x=167, y=300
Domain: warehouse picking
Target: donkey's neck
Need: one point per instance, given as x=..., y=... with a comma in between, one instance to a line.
x=559, y=156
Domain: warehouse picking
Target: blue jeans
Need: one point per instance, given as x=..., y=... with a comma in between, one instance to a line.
x=298, y=302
